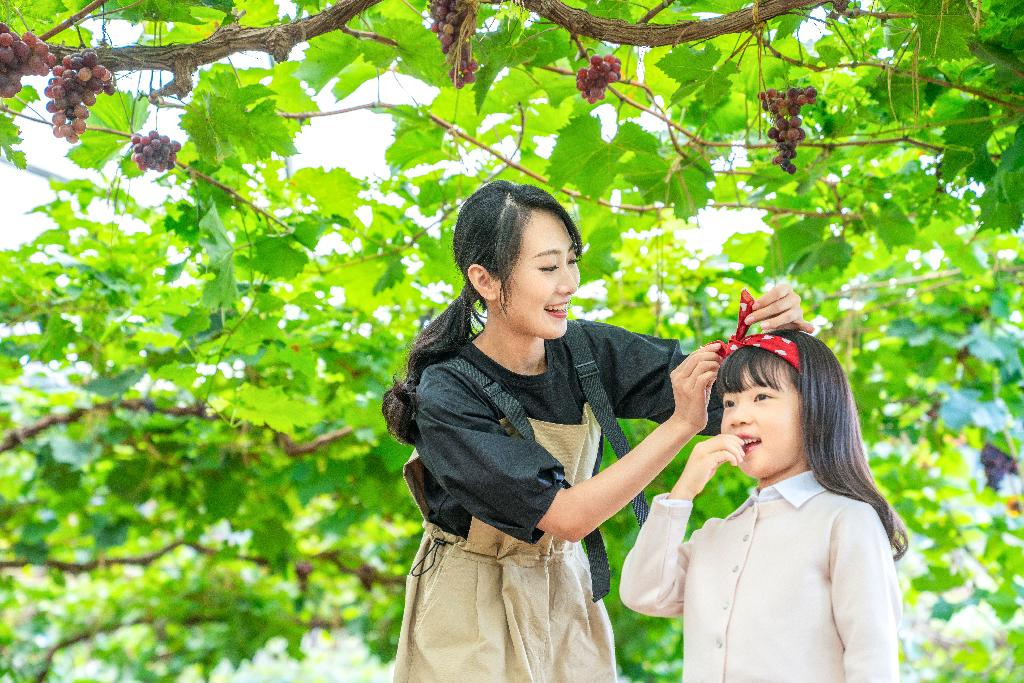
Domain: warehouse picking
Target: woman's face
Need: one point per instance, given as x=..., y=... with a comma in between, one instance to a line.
x=542, y=282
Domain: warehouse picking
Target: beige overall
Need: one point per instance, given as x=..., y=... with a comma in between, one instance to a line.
x=492, y=608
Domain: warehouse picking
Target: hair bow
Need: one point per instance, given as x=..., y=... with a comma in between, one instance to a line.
x=769, y=342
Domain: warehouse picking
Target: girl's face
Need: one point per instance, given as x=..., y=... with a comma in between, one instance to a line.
x=768, y=420
x=542, y=282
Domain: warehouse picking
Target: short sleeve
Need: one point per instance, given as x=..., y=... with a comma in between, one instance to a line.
x=636, y=373
x=505, y=481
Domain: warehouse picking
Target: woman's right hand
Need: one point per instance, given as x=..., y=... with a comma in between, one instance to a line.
x=704, y=461
x=691, y=386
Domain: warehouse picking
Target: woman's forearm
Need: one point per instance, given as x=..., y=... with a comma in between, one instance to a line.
x=578, y=510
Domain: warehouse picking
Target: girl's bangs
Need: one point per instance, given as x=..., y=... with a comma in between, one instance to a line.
x=748, y=367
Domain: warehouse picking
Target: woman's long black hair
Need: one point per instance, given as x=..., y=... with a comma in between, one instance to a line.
x=828, y=416
x=488, y=232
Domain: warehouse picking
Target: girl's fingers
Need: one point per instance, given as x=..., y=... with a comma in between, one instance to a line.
x=726, y=457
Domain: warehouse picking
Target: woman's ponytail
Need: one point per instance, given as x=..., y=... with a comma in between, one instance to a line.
x=441, y=339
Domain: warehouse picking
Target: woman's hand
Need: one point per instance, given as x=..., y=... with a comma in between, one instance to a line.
x=779, y=309
x=691, y=387
x=704, y=461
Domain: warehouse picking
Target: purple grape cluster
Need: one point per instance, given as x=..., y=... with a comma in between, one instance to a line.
x=76, y=82
x=997, y=465
x=447, y=25
x=465, y=71
x=154, y=151
x=592, y=81
x=783, y=106
x=23, y=55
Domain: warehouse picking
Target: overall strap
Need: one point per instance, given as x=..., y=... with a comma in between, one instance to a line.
x=506, y=402
x=593, y=390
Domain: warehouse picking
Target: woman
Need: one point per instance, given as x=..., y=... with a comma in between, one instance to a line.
x=501, y=589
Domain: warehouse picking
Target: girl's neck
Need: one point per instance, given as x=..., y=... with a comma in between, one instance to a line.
x=521, y=354
x=778, y=477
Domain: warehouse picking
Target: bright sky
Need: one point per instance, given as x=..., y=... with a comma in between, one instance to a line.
x=363, y=135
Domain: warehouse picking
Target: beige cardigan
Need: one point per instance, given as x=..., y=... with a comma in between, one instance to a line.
x=797, y=588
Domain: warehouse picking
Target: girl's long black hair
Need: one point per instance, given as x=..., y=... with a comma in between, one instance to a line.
x=828, y=416
x=488, y=232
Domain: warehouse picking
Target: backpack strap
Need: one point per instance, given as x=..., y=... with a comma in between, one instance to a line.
x=593, y=390
x=506, y=402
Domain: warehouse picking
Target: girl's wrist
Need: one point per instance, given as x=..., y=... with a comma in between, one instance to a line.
x=682, y=492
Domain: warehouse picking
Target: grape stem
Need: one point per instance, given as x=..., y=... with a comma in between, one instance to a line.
x=74, y=18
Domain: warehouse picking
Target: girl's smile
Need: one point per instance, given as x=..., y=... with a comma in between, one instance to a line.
x=749, y=443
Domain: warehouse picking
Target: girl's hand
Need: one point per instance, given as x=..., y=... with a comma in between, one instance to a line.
x=704, y=461
x=691, y=387
x=779, y=309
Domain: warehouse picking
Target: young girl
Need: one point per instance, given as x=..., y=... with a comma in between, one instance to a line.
x=507, y=438
x=799, y=583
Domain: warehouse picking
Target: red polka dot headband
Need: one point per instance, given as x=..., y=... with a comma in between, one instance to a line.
x=769, y=342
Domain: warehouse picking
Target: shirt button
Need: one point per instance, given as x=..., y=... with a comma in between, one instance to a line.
x=725, y=606
x=746, y=537
x=735, y=569
x=718, y=643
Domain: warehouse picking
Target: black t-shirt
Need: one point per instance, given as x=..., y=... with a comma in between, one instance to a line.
x=474, y=469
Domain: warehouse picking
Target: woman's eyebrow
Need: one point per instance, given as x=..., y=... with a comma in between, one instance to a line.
x=554, y=252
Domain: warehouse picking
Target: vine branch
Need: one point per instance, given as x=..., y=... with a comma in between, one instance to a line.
x=184, y=60
x=16, y=437
x=74, y=18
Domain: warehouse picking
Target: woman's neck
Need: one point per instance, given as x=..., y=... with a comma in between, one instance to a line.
x=521, y=354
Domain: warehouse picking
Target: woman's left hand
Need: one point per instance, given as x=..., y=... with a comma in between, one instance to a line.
x=779, y=309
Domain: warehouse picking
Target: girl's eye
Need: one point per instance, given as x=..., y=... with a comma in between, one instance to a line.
x=727, y=404
x=761, y=396
x=550, y=269
x=574, y=261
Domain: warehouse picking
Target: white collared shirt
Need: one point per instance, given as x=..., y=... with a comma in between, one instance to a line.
x=798, y=584
x=797, y=489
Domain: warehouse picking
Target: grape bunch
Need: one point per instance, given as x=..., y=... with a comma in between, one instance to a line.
x=784, y=108
x=23, y=55
x=448, y=23
x=154, y=151
x=997, y=465
x=592, y=81
x=76, y=82
x=465, y=71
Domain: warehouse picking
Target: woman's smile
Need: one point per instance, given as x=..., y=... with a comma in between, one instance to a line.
x=559, y=311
